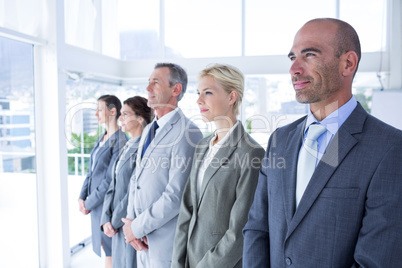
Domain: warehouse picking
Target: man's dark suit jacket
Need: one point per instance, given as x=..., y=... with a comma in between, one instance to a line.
x=351, y=212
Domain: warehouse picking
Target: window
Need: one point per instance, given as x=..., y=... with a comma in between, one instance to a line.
x=209, y=28
x=271, y=26
x=134, y=29
x=138, y=23
x=370, y=24
x=17, y=156
x=81, y=24
x=22, y=16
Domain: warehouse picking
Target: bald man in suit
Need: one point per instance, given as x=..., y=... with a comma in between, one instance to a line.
x=349, y=211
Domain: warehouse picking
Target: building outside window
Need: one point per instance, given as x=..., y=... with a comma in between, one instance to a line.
x=18, y=198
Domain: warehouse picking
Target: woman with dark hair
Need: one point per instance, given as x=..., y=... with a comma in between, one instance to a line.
x=135, y=115
x=99, y=175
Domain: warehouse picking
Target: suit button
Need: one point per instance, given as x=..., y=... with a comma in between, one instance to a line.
x=288, y=261
x=138, y=187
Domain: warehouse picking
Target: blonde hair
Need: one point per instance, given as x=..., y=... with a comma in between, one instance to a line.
x=230, y=78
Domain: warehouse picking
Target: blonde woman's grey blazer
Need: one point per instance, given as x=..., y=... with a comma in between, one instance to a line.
x=209, y=230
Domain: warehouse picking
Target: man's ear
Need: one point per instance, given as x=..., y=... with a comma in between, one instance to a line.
x=177, y=89
x=349, y=63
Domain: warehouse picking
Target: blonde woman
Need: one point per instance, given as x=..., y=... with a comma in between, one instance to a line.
x=223, y=178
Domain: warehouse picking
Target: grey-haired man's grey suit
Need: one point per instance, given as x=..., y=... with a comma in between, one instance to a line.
x=160, y=176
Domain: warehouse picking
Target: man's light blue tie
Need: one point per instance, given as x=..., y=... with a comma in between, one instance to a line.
x=150, y=137
x=307, y=159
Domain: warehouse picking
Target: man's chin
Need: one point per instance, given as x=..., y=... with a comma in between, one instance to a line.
x=302, y=99
x=151, y=105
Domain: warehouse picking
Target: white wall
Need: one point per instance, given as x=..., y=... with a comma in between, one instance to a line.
x=387, y=106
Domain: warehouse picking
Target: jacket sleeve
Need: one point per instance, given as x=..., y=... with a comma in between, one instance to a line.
x=106, y=215
x=255, y=232
x=97, y=196
x=183, y=222
x=382, y=222
x=84, y=189
x=120, y=212
x=130, y=198
x=228, y=251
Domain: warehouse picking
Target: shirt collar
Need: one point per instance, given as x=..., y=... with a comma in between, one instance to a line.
x=225, y=138
x=335, y=120
x=164, y=119
x=133, y=140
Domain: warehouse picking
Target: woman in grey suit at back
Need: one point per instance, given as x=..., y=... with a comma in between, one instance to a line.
x=97, y=182
x=135, y=115
x=223, y=178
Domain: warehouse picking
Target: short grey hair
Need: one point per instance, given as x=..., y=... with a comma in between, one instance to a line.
x=177, y=75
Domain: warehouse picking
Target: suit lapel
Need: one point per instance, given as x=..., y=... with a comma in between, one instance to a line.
x=91, y=159
x=199, y=155
x=139, y=167
x=156, y=141
x=120, y=153
x=337, y=150
x=162, y=133
x=128, y=156
x=132, y=150
x=111, y=142
x=143, y=140
x=158, y=138
x=293, y=144
x=101, y=150
x=228, y=147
